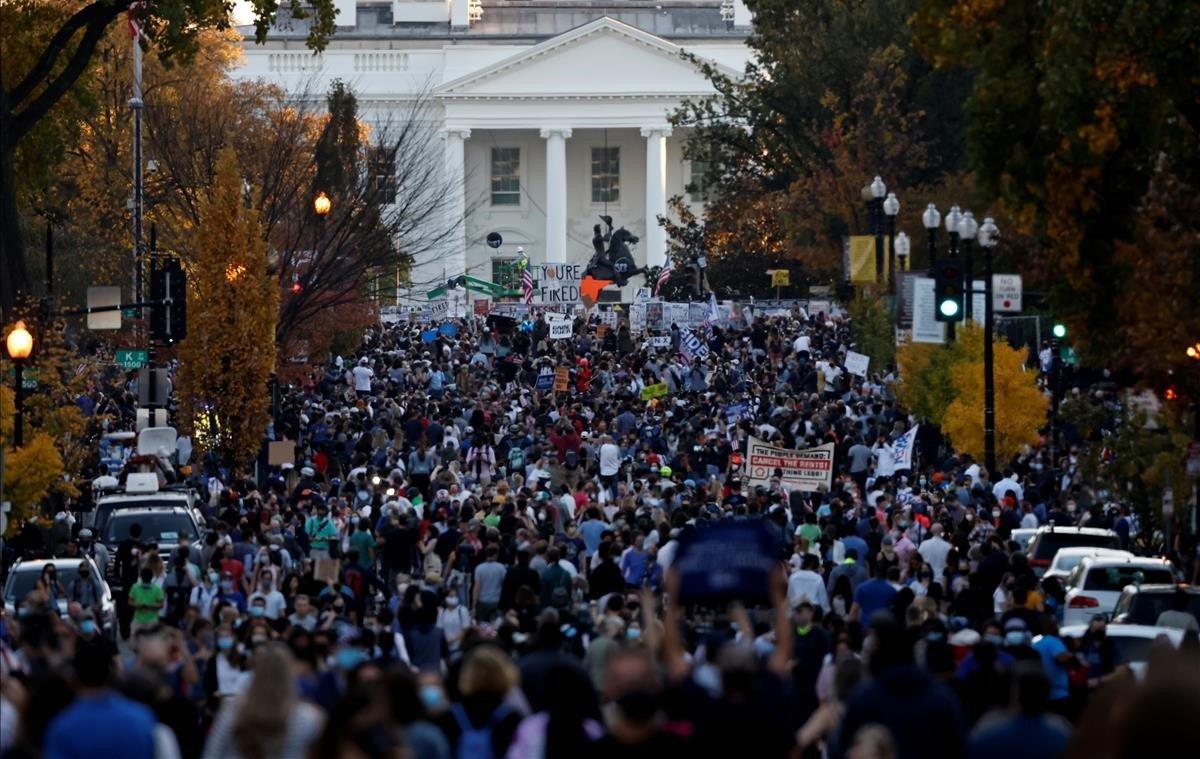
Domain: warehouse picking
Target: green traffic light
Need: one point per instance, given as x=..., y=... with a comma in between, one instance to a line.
x=1059, y=330
x=948, y=307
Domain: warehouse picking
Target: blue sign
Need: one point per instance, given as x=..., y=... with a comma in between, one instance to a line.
x=545, y=381
x=448, y=330
x=429, y=335
x=692, y=347
x=736, y=412
x=729, y=561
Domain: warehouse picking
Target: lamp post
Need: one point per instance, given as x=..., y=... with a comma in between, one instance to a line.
x=953, y=216
x=19, y=345
x=932, y=219
x=903, y=248
x=967, y=229
x=878, y=191
x=989, y=235
x=891, y=207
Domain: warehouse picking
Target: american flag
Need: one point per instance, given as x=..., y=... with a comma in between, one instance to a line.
x=663, y=276
x=527, y=283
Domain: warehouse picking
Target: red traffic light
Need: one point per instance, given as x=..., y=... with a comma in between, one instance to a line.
x=1171, y=394
x=296, y=287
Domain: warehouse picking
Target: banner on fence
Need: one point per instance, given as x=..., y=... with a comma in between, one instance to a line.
x=806, y=469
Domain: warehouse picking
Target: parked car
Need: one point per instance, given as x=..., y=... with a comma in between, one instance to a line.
x=1065, y=561
x=1142, y=604
x=1049, y=540
x=1095, y=585
x=1131, y=643
x=161, y=526
x=1021, y=536
x=23, y=578
x=141, y=491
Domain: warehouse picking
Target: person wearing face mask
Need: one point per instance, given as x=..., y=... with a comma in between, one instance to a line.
x=228, y=676
x=229, y=593
x=274, y=604
x=204, y=594
x=453, y=618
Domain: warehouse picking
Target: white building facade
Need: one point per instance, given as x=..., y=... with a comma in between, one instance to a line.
x=551, y=113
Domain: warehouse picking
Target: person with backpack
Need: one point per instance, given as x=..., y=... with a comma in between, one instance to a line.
x=482, y=723
x=556, y=582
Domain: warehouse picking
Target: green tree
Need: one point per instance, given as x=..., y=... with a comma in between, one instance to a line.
x=872, y=329
x=1078, y=107
x=51, y=49
x=229, y=353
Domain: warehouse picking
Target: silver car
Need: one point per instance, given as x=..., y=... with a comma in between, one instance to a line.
x=23, y=579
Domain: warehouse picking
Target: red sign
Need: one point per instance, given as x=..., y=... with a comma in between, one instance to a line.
x=482, y=307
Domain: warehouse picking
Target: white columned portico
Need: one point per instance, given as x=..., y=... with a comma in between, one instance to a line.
x=456, y=259
x=556, y=191
x=656, y=193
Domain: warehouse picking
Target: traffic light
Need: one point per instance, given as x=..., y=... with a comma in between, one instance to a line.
x=1059, y=330
x=948, y=291
x=168, y=291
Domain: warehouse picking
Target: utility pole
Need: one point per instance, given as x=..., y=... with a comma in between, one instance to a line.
x=135, y=105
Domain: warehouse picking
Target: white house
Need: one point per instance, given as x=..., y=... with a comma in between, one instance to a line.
x=552, y=112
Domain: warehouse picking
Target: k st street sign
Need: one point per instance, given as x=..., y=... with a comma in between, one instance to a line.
x=134, y=358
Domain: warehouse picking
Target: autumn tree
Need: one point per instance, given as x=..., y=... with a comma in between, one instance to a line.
x=229, y=353
x=1078, y=111
x=872, y=329
x=833, y=95
x=46, y=48
x=1020, y=403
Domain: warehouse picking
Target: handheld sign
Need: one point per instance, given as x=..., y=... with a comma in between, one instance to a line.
x=562, y=379
x=728, y=561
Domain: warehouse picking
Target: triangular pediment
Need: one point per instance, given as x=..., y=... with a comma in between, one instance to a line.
x=602, y=58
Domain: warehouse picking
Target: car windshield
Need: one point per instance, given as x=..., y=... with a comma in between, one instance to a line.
x=1147, y=606
x=106, y=509
x=1049, y=543
x=156, y=528
x=1128, y=649
x=1116, y=578
x=24, y=580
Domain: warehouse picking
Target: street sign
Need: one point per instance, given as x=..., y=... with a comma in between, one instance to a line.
x=131, y=359
x=1067, y=353
x=104, y=297
x=925, y=328
x=29, y=378
x=1006, y=293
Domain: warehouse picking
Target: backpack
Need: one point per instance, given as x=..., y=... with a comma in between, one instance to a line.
x=476, y=742
x=353, y=579
x=571, y=460
x=516, y=460
x=559, y=581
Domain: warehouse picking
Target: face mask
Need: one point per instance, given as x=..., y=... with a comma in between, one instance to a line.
x=87, y=627
x=433, y=697
x=994, y=639
x=1014, y=638
x=633, y=633
x=995, y=513
x=213, y=577
x=258, y=640
x=969, y=517
x=227, y=586
x=257, y=611
x=452, y=602
x=224, y=643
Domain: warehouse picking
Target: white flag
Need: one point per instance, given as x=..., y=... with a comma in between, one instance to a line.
x=903, y=448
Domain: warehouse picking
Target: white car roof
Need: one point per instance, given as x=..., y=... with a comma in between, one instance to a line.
x=1075, y=530
x=1104, y=562
x=1127, y=631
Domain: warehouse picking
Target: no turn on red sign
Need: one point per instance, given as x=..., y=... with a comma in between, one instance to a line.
x=1006, y=293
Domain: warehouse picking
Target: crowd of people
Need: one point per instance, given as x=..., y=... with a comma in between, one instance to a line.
x=464, y=563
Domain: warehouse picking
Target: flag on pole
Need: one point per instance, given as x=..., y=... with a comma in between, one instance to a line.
x=903, y=448
x=663, y=276
x=527, y=281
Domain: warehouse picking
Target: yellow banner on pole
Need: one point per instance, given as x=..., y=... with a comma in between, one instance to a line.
x=861, y=259
x=781, y=278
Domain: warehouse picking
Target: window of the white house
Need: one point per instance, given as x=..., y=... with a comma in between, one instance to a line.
x=697, y=188
x=382, y=179
x=507, y=273
x=506, y=176
x=606, y=175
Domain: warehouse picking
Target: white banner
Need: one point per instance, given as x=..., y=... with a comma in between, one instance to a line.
x=675, y=313
x=926, y=328
x=637, y=318
x=560, y=328
x=642, y=295
x=903, y=448
x=808, y=469
x=556, y=283
x=660, y=341
x=609, y=318
x=439, y=309
x=857, y=363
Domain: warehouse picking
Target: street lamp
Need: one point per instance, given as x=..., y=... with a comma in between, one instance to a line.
x=932, y=219
x=989, y=236
x=322, y=204
x=19, y=345
x=967, y=228
x=952, y=218
x=903, y=248
x=874, y=194
x=891, y=207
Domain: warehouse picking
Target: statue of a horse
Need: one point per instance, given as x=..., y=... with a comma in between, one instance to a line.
x=616, y=263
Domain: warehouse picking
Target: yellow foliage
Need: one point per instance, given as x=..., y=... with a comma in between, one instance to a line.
x=1020, y=403
x=30, y=474
x=229, y=353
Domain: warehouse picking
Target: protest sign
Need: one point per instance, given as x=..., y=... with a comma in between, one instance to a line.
x=697, y=312
x=728, y=561
x=660, y=341
x=902, y=449
x=326, y=570
x=429, y=335
x=560, y=328
x=545, y=380
x=654, y=316
x=601, y=331
x=557, y=282
x=448, y=330
x=656, y=390
x=806, y=469
x=637, y=318
x=856, y=363
x=608, y=318
x=438, y=309
x=281, y=452
x=736, y=412
x=642, y=295
x=692, y=347
x=562, y=379
x=482, y=306
x=676, y=313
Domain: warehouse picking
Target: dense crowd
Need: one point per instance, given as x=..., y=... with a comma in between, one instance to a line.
x=462, y=564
